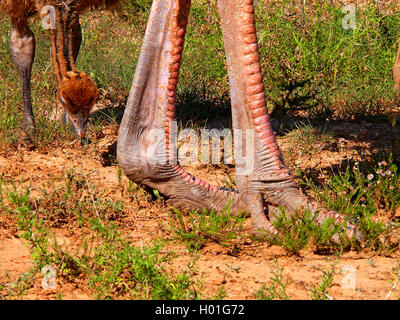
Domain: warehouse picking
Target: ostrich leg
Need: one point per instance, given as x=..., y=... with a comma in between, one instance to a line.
x=269, y=176
x=76, y=34
x=146, y=148
x=151, y=110
x=22, y=47
x=271, y=183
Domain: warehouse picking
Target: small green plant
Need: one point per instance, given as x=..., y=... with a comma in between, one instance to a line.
x=321, y=291
x=394, y=281
x=120, y=269
x=300, y=230
x=17, y=288
x=113, y=266
x=368, y=193
x=277, y=289
x=34, y=228
x=197, y=229
x=293, y=232
x=221, y=294
x=75, y=200
x=31, y=226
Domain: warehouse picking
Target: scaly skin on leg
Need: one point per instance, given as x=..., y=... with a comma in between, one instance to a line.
x=249, y=110
x=22, y=47
x=150, y=113
x=151, y=110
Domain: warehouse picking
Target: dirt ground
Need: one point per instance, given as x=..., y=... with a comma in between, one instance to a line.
x=358, y=275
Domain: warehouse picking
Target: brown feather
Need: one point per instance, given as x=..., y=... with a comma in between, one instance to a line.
x=80, y=89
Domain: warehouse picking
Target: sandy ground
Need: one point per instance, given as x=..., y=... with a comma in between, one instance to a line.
x=240, y=274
